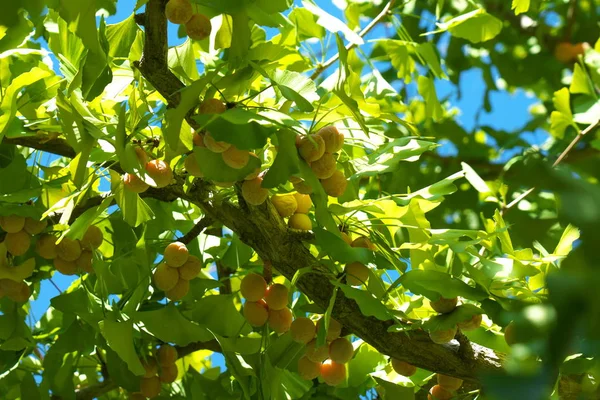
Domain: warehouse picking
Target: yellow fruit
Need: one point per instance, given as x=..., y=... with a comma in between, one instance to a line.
x=141, y=155
x=179, y=291
x=566, y=52
x=17, y=243
x=65, y=267
x=84, y=262
x=334, y=140
x=303, y=187
x=356, y=273
x=510, y=334
x=179, y=11
x=317, y=354
x=92, y=238
x=449, y=383
x=324, y=167
x=307, y=369
x=280, y=320
x=285, y=204
x=165, y=277
x=68, y=249
x=8, y=287
x=300, y=221
x=333, y=373
x=471, y=324
x=444, y=305
x=46, y=247
x=176, y=254
x=168, y=373
x=341, y=350
x=311, y=148
x=442, y=336
x=253, y=192
x=22, y=294
x=192, y=167
x=198, y=27
x=236, y=158
x=256, y=312
x=213, y=145
x=134, y=184
x=439, y=393
x=363, y=241
x=12, y=223
x=403, y=368
x=150, y=366
x=190, y=269
x=304, y=203
x=253, y=287
x=150, y=387
x=34, y=226
x=303, y=330
x=346, y=237
x=212, y=106
x=276, y=296
x=160, y=172
x=198, y=139
x=334, y=331
x=254, y=174
x=166, y=355
x=335, y=185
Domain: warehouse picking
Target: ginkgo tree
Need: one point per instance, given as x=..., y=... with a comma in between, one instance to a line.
x=273, y=190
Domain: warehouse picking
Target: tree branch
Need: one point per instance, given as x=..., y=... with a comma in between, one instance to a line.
x=196, y=230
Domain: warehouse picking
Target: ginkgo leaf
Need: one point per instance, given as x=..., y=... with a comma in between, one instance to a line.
x=561, y=118
x=475, y=26
x=520, y=6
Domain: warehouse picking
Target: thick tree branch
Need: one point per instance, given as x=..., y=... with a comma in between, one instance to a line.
x=44, y=142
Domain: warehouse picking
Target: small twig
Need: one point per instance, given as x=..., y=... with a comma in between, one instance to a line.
x=196, y=230
x=140, y=19
x=268, y=271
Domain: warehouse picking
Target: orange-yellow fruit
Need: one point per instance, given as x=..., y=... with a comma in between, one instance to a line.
x=34, y=226
x=303, y=330
x=192, y=167
x=198, y=27
x=567, y=52
x=443, y=305
x=213, y=145
x=276, y=296
x=65, y=267
x=22, y=294
x=254, y=174
x=334, y=140
x=449, y=383
x=403, y=368
x=510, y=334
x=134, y=184
x=442, y=336
x=333, y=373
x=324, y=167
x=166, y=355
x=316, y=353
x=300, y=221
x=168, y=373
x=92, y=238
x=304, y=203
x=165, y=277
x=160, y=172
x=176, y=254
x=141, y=155
x=307, y=369
x=212, y=106
x=236, y=158
x=253, y=287
x=190, y=269
x=68, y=249
x=311, y=148
x=471, y=324
x=356, y=273
x=150, y=366
x=256, y=312
x=9, y=287
x=280, y=320
x=341, y=350
x=334, y=331
x=285, y=204
x=46, y=247
x=346, y=237
x=84, y=262
x=439, y=393
x=363, y=241
x=335, y=185
x=179, y=11
x=253, y=192
x=179, y=291
x=198, y=139
x=303, y=187
x=150, y=387
x=12, y=223
x=17, y=243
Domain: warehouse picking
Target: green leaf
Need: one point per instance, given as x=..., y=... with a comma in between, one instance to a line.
x=562, y=118
x=580, y=82
x=433, y=108
x=135, y=210
x=306, y=24
x=12, y=189
x=168, y=325
x=338, y=250
x=395, y=391
x=366, y=360
x=214, y=168
x=82, y=223
x=474, y=179
x=121, y=36
x=461, y=313
x=475, y=26
x=565, y=244
x=237, y=253
x=520, y=6
x=119, y=336
x=319, y=199
x=219, y=314
x=331, y=23
x=369, y=305
x=434, y=284
x=241, y=39
x=287, y=162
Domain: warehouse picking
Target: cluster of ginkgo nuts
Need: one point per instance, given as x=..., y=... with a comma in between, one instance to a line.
x=269, y=304
x=295, y=207
x=159, y=369
x=442, y=391
x=445, y=306
x=197, y=26
x=159, y=170
x=356, y=272
x=174, y=273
